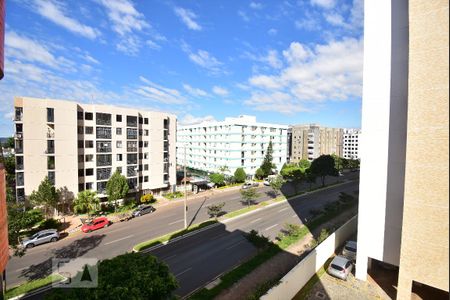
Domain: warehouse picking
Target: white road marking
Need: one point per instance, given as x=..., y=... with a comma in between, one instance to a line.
x=181, y=273
x=283, y=209
x=182, y=220
x=273, y=226
x=118, y=240
x=235, y=244
x=256, y=220
x=168, y=257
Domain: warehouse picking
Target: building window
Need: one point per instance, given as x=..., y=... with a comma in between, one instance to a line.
x=103, y=160
x=132, y=159
x=80, y=172
x=51, y=177
x=118, y=144
x=119, y=131
x=103, y=147
x=103, y=173
x=80, y=144
x=103, y=119
x=80, y=130
x=141, y=120
x=118, y=118
x=19, y=162
x=145, y=144
x=20, y=179
x=119, y=157
x=131, y=134
x=79, y=115
x=145, y=167
x=89, y=172
x=131, y=171
x=88, y=116
x=145, y=132
x=145, y=178
x=146, y=121
x=89, y=185
x=132, y=121
x=51, y=162
x=89, y=130
x=50, y=115
x=103, y=132
x=132, y=183
x=132, y=146
x=89, y=144
x=50, y=146
x=101, y=187
x=89, y=157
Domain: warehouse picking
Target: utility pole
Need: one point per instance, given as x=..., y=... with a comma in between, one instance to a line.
x=185, y=190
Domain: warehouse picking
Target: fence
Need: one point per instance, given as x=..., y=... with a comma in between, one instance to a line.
x=293, y=281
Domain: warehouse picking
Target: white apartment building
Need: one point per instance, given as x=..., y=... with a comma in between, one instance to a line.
x=79, y=146
x=235, y=142
x=350, y=142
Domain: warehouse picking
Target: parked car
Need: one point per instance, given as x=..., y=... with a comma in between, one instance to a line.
x=250, y=184
x=340, y=267
x=349, y=250
x=44, y=236
x=95, y=224
x=266, y=182
x=142, y=210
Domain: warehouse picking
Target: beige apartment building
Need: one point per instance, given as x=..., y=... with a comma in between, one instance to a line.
x=403, y=216
x=79, y=146
x=312, y=140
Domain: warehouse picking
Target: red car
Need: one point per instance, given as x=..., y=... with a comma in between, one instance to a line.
x=95, y=224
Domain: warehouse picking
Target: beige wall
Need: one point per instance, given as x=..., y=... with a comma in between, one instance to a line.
x=425, y=244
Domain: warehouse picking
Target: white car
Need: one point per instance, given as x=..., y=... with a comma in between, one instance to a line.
x=248, y=185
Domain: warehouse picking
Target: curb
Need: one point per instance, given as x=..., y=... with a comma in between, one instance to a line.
x=38, y=291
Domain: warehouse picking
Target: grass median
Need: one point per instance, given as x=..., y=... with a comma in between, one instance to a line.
x=172, y=235
x=32, y=285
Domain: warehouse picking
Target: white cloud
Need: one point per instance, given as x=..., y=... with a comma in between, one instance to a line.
x=256, y=5
x=126, y=22
x=90, y=59
x=54, y=12
x=327, y=72
x=309, y=22
x=220, y=91
x=158, y=93
x=272, y=31
x=243, y=16
x=188, y=18
x=355, y=20
x=324, y=3
x=273, y=60
x=205, y=60
x=335, y=19
x=196, y=92
x=152, y=45
x=189, y=119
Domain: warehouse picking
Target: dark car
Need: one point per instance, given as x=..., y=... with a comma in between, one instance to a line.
x=142, y=210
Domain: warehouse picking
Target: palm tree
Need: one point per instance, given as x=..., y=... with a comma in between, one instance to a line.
x=86, y=201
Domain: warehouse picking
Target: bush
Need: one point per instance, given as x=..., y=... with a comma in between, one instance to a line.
x=174, y=195
x=33, y=217
x=148, y=198
x=259, y=174
x=217, y=178
x=239, y=175
x=259, y=241
x=50, y=224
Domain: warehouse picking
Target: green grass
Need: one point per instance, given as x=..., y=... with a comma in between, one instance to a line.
x=32, y=285
x=245, y=210
x=172, y=235
x=228, y=186
x=174, y=195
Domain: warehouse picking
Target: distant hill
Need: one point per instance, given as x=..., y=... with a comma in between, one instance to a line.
x=3, y=139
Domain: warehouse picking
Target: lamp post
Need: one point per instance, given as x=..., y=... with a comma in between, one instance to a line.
x=185, y=190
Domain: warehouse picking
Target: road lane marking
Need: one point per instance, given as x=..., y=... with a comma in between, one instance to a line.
x=283, y=209
x=168, y=257
x=273, y=226
x=176, y=222
x=256, y=220
x=118, y=240
x=181, y=273
x=235, y=244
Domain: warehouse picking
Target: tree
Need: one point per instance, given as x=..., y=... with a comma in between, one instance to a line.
x=9, y=143
x=259, y=174
x=46, y=196
x=116, y=187
x=127, y=276
x=298, y=175
x=86, y=202
x=249, y=195
x=215, y=210
x=217, y=178
x=304, y=164
x=338, y=163
x=267, y=164
x=224, y=169
x=147, y=198
x=353, y=164
x=239, y=175
x=276, y=184
x=323, y=166
x=310, y=178
x=65, y=198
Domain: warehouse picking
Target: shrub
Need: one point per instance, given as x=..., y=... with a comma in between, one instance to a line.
x=148, y=198
x=292, y=229
x=50, y=224
x=259, y=241
x=174, y=195
x=259, y=173
x=239, y=175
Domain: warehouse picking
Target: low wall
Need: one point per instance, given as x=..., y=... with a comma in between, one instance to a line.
x=293, y=281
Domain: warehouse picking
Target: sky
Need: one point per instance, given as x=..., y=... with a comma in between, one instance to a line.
x=285, y=62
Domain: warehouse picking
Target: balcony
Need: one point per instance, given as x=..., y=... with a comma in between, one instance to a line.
x=132, y=134
x=132, y=171
x=104, y=147
x=132, y=121
x=18, y=115
x=20, y=179
x=103, y=174
x=18, y=136
x=103, y=133
x=103, y=119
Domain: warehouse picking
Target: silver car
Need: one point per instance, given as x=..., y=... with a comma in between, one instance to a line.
x=44, y=236
x=340, y=267
x=349, y=250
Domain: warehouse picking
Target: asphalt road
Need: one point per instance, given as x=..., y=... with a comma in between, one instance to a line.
x=121, y=237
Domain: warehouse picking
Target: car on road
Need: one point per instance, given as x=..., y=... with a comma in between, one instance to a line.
x=95, y=224
x=340, y=267
x=41, y=237
x=143, y=210
x=349, y=250
x=250, y=184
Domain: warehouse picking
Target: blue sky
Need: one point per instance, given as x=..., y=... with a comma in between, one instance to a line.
x=287, y=62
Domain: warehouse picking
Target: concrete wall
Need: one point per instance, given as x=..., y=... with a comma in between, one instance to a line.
x=383, y=144
x=426, y=200
x=294, y=281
